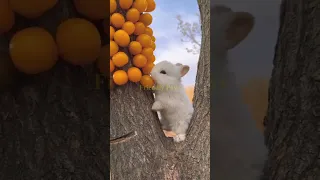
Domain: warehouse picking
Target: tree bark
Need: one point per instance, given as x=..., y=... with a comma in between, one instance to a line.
x=293, y=119
x=146, y=153
x=54, y=126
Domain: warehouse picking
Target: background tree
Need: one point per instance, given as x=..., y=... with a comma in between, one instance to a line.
x=53, y=125
x=292, y=124
x=146, y=153
x=190, y=31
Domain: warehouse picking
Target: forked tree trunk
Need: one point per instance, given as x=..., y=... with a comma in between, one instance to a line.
x=293, y=117
x=146, y=153
x=55, y=126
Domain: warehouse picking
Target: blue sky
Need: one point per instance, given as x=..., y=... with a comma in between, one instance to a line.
x=168, y=38
x=252, y=58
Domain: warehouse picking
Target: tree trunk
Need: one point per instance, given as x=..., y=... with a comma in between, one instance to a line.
x=145, y=153
x=56, y=125
x=293, y=118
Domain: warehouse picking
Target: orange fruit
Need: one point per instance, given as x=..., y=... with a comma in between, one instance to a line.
x=147, y=81
x=112, y=31
x=134, y=74
x=114, y=48
x=120, y=77
x=117, y=20
x=133, y=15
x=147, y=52
x=128, y=27
x=145, y=40
x=102, y=62
x=153, y=45
x=122, y=38
x=113, y=6
x=139, y=28
x=78, y=41
x=148, y=31
x=153, y=38
x=112, y=67
x=33, y=50
x=31, y=8
x=139, y=60
x=7, y=17
x=151, y=6
x=140, y=5
x=135, y=48
x=146, y=19
x=147, y=68
x=120, y=59
x=94, y=9
x=125, y=4
x=151, y=59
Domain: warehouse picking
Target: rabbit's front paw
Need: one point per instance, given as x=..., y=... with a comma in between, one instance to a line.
x=179, y=137
x=156, y=106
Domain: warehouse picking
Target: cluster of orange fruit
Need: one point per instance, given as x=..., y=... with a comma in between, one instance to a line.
x=77, y=40
x=132, y=43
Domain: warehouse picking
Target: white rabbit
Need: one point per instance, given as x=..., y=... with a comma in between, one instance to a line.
x=238, y=148
x=171, y=100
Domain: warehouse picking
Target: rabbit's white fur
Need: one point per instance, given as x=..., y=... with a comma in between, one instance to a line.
x=237, y=143
x=171, y=100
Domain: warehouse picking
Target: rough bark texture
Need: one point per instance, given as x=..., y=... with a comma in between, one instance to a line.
x=56, y=125
x=293, y=119
x=148, y=154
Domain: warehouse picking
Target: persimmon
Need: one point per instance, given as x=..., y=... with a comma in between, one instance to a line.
x=122, y=38
x=120, y=59
x=139, y=60
x=112, y=67
x=79, y=41
x=139, y=28
x=133, y=15
x=146, y=19
x=147, y=68
x=117, y=20
x=134, y=74
x=32, y=8
x=33, y=50
x=113, y=6
x=151, y=59
x=145, y=40
x=112, y=31
x=114, y=48
x=146, y=81
x=120, y=77
x=7, y=17
x=129, y=27
x=148, y=31
x=147, y=52
x=125, y=4
x=135, y=47
x=140, y=5
x=94, y=9
x=151, y=5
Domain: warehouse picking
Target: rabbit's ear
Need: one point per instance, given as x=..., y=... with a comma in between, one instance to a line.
x=239, y=28
x=184, y=70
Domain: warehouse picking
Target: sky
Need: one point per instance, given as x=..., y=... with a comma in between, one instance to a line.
x=168, y=37
x=252, y=58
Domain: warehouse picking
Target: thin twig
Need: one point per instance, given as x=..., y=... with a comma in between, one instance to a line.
x=123, y=138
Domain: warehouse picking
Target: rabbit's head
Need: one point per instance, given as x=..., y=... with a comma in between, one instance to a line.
x=167, y=73
x=228, y=28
